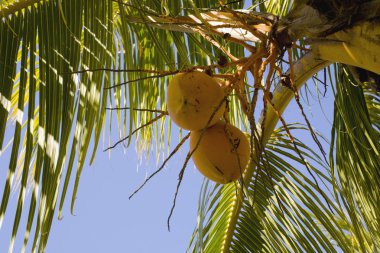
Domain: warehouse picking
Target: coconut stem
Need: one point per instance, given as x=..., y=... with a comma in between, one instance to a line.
x=304, y=69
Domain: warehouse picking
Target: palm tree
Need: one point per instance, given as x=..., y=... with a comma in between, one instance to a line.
x=64, y=63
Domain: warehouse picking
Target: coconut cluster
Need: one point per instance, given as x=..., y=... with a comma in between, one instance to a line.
x=196, y=102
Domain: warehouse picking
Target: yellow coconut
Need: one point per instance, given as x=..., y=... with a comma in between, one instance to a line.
x=192, y=98
x=222, y=153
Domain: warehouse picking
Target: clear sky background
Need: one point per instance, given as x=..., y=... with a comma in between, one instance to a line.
x=105, y=220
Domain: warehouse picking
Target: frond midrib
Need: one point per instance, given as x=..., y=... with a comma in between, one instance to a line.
x=14, y=7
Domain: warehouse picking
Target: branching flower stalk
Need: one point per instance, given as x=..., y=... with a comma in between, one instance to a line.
x=304, y=68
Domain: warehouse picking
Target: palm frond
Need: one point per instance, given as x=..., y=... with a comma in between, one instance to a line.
x=356, y=158
x=43, y=45
x=282, y=209
x=63, y=62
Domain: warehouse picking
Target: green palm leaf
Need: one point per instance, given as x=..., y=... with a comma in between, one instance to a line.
x=63, y=62
x=53, y=45
x=356, y=158
x=282, y=211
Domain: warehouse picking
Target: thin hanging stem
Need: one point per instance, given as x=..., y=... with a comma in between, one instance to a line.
x=180, y=176
x=162, y=166
x=136, y=109
x=137, y=129
x=297, y=98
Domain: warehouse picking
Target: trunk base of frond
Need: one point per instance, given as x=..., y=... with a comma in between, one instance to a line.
x=358, y=46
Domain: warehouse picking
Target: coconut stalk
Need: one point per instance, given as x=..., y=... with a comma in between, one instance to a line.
x=303, y=70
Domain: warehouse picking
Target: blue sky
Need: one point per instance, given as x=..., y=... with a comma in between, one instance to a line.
x=105, y=220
